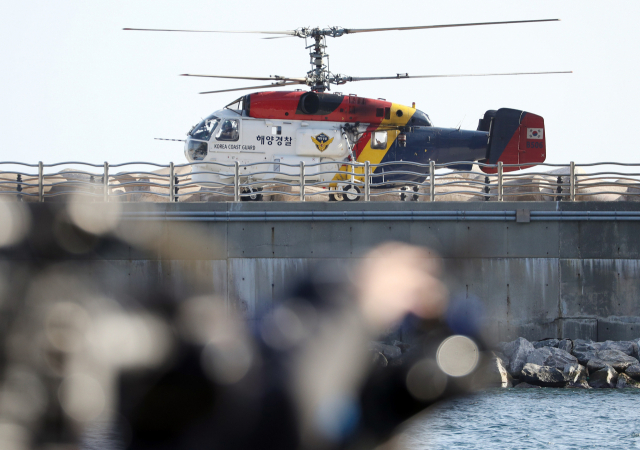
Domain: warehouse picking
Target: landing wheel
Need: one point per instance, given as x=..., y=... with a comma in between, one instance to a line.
x=412, y=197
x=336, y=194
x=351, y=193
x=254, y=195
x=403, y=196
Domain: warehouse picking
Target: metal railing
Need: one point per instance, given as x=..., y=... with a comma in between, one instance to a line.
x=215, y=181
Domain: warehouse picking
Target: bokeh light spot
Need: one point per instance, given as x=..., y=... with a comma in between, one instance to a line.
x=425, y=380
x=457, y=356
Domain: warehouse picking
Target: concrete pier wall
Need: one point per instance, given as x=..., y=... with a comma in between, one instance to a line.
x=537, y=279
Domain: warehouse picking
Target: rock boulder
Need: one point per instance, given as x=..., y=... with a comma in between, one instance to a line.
x=596, y=364
x=517, y=351
x=614, y=358
x=576, y=376
x=546, y=343
x=585, y=350
x=501, y=355
x=566, y=345
x=629, y=348
x=603, y=378
x=542, y=375
x=539, y=356
x=625, y=381
x=575, y=372
x=552, y=357
x=633, y=371
x=494, y=374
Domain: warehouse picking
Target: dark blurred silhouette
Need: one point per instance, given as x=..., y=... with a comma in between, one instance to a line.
x=100, y=362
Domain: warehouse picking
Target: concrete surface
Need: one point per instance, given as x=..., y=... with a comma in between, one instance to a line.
x=544, y=279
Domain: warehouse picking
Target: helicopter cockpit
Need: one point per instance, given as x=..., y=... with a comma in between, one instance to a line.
x=204, y=129
x=219, y=128
x=228, y=131
x=196, y=145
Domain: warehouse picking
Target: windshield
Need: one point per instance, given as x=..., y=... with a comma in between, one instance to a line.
x=205, y=128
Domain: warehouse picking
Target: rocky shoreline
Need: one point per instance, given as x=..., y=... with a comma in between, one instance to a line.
x=565, y=363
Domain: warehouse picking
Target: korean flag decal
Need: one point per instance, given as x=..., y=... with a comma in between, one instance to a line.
x=535, y=133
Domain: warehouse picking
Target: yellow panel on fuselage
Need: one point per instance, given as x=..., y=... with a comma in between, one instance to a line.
x=375, y=156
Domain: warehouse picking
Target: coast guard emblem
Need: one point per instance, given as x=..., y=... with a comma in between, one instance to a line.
x=322, y=141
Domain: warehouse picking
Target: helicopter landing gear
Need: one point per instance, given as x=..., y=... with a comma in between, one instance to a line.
x=411, y=197
x=351, y=193
x=253, y=197
x=346, y=193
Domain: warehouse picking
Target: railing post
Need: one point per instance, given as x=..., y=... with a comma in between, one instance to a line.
x=40, y=182
x=572, y=181
x=499, y=181
x=302, y=198
x=172, y=183
x=236, y=181
x=105, y=181
x=367, y=186
x=432, y=181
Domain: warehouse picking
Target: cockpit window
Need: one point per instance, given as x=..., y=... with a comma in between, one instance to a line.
x=205, y=128
x=236, y=105
x=228, y=130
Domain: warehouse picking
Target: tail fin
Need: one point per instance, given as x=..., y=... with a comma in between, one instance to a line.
x=516, y=137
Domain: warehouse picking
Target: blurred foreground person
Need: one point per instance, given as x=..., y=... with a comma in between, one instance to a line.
x=113, y=366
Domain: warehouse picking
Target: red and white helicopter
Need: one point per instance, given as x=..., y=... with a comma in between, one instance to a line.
x=284, y=127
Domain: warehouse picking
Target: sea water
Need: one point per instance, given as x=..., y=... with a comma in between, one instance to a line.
x=530, y=419
x=508, y=419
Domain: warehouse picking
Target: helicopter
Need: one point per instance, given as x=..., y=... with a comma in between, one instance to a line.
x=283, y=128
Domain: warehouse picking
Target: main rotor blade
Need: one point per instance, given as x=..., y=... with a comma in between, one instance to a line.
x=401, y=76
x=270, y=78
x=291, y=33
x=337, y=32
x=275, y=85
x=369, y=30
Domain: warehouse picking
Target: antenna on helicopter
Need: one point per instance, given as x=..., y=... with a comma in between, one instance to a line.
x=320, y=78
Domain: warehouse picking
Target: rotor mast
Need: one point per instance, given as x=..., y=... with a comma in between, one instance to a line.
x=319, y=78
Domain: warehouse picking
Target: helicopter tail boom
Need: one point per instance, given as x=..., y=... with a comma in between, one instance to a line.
x=515, y=137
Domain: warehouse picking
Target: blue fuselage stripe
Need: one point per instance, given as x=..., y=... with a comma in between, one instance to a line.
x=441, y=145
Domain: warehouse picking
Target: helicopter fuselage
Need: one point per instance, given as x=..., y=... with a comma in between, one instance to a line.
x=281, y=129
